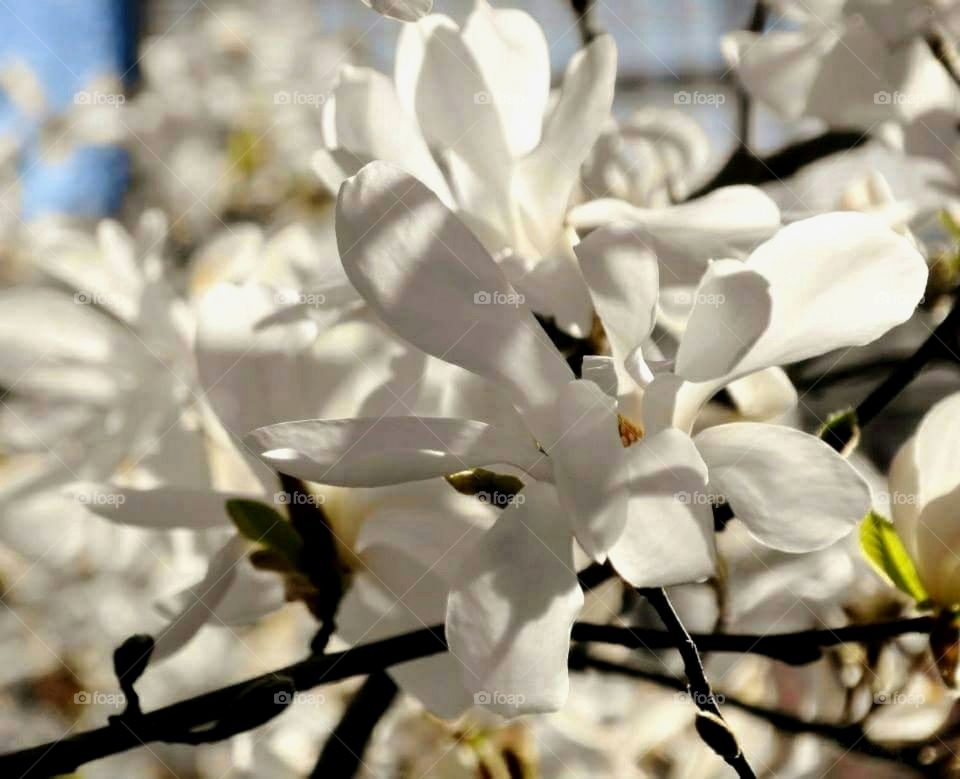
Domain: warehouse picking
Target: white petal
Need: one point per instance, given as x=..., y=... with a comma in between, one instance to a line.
x=601, y=370
x=201, y=599
x=732, y=312
x=395, y=595
x=924, y=468
x=354, y=119
x=623, y=279
x=937, y=539
x=161, y=507
x=510, y=614
x=792, y=491
x=590, y=467
x=835, y=280
x=433, y=283
x=546, y=177
x=668, y=537
x=411, y=545
x=389, y=450
x=511, y=51
x=763, y=395
x=403, y=10
x=727, y=223
x=440, y=82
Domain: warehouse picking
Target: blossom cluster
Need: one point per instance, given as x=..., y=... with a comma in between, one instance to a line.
x=483, y=334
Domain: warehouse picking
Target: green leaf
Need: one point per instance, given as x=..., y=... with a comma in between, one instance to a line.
x=883, y=548
x=950, y=224
x=264, y=525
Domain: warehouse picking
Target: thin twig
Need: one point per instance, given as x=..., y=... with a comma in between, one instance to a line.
x=851, y=737
x=700, y=689
x=342, y=755
x=756, y=24
x=584, y=11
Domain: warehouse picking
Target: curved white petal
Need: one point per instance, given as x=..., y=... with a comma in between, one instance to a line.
x=434, y=284
x=623, y=279
x=546, y=177
x=377, y=451
x=731, y=314
x=510, y=613
x=766, y=394
x=925, y=467
x=162, y=507
x=835, y=280
x=511, y=52
x=937, y=539
x=791, y=490
x=395, y=595
x=410, y=551
x=354, y=120
x=200, y=600
x=668, y=537
x=589, y=465
x=403, y=10
x=440, y=82
x=726, y=223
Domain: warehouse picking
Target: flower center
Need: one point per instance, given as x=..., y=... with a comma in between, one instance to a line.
x=629, y=432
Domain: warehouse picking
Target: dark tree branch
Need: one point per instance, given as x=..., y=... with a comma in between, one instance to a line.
x=756, y=24
x=744, y=167
x=723, y=742
x=342, y=755
x=946, y=53
x=943, y=343
x=186, y=720
x=849, y=737
x=584, y=11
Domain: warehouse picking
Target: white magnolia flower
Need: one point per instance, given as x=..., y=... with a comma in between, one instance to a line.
x=228, y=113
x=924, y=494
x=651, y=159
x=849, y=62
x=469, y=117
x=100, y=381
x=646, y=507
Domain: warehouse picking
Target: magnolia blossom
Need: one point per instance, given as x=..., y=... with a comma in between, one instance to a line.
x=645, y=506
x=99, y=378
x=652, y=158
x=470, y=117
x=849, y=62
x=924, y=490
